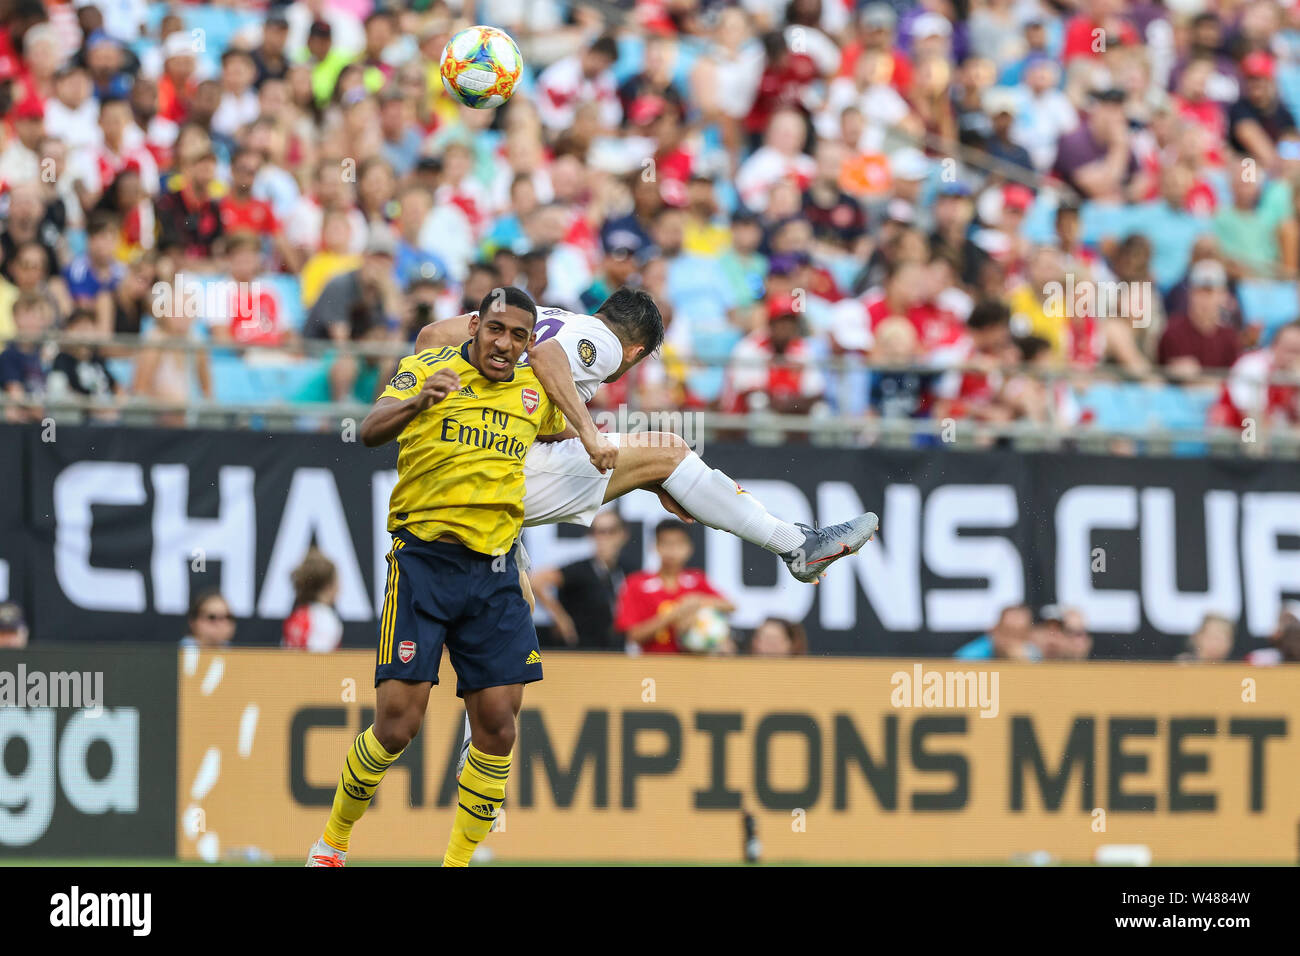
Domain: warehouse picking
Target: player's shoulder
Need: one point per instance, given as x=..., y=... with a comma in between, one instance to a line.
x=433, y=357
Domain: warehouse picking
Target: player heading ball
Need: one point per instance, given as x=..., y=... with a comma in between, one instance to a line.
x=464, y=417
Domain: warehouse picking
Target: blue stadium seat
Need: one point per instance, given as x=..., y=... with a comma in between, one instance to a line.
x=1268, y=303
x=236, y=381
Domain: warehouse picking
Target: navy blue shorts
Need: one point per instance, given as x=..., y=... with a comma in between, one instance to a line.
x=441, y=592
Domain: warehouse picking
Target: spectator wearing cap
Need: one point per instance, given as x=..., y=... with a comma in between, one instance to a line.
x=875, y=33
x=1096, y=160
x=1200, y=338
x=1000, y=104
x=774, y=367
x=908, y=170
x=1258, y=118
x=13, y=627
x=107, y=63
x=1009, y=639
x=325, y=59
x=179, y=82
x=20, y=162
x=270, y=58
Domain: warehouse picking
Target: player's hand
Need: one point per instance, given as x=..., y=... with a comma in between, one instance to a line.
x=672, y=507
x=603, y=453
x=437, y=387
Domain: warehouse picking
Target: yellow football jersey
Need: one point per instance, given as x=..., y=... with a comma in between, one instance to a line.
x=460, y=464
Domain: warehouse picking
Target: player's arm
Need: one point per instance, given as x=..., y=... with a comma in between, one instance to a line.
x=391, y=415
x=559, y=436
x=551, y=365
x=444, y=332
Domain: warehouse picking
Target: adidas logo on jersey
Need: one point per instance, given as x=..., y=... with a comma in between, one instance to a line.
x=533, y=658
x=467, y=392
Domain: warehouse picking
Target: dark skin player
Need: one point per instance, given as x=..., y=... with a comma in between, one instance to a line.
x=496, y=344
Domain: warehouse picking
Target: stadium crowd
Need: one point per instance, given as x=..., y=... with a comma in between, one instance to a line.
x=969, y=194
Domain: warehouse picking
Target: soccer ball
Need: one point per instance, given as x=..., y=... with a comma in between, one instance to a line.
x=480, y=67
x=707, y=633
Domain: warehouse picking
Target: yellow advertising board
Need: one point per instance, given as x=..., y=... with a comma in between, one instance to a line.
x=658, y=759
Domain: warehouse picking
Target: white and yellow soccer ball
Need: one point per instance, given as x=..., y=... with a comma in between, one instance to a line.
x=480, y=67
x=707, y=633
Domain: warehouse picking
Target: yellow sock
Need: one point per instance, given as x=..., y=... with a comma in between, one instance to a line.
x=482, y=788
x=364, y=767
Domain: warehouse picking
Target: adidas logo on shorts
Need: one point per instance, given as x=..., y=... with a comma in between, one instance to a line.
x=533, y=658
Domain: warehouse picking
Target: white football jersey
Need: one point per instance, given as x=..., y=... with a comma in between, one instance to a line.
x=594, y=352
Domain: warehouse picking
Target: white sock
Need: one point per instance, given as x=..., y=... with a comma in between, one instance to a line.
x=715, y=500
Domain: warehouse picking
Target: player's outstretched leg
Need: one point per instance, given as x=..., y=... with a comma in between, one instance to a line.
x=481, y=788
x=399, y=710
x=648, y=459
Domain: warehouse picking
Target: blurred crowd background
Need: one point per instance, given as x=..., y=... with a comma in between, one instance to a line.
x=1046, y=218
x=864, y=222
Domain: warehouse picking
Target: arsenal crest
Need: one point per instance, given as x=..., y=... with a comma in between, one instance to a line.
x=405, y=651
x=531, y=400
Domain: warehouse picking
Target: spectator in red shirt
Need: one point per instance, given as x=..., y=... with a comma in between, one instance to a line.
x=1201, y=338
x=241, y=212
x=314, y=625
x=656, y=607
x=253, y=312
x=1251, y=393
x=875, y=34
x=774, y=367
x=1099, y=28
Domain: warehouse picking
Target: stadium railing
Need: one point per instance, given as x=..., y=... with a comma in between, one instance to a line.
x=1112, y=407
